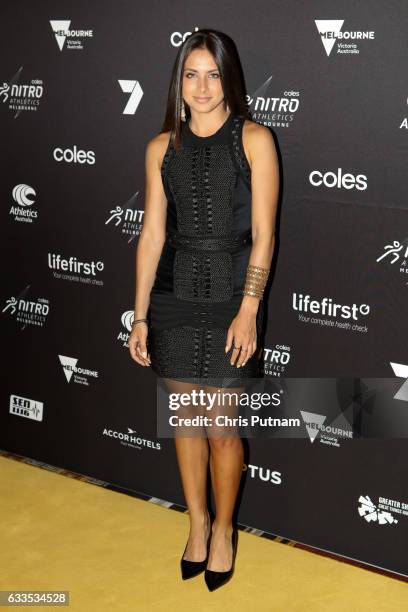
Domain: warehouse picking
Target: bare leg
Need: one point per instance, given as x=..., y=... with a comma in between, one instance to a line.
x=192, y=457
x=226, y=461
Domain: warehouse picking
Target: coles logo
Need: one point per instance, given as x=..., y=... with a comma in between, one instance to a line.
x=177, y=38
x=74, y=156
x=338, y=179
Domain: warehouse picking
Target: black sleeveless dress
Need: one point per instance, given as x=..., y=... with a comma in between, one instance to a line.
x=201, y=272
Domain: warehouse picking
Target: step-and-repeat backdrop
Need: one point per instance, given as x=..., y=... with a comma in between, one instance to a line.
x=82, y=90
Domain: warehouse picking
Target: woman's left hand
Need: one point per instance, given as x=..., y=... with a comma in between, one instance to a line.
x=242, y=333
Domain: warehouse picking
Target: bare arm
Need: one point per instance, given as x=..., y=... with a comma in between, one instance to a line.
x=152, y=237
x=261, y=153
x=264, y=163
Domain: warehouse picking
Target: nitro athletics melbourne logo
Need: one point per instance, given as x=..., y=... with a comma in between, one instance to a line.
x=395, y=253
x=27, y=311
x=21, y=96
x=331, y=33
x=127, y=218
x=72, y=38
x=276, y=110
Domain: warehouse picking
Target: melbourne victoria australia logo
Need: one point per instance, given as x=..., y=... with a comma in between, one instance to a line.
x=329, y=434
x=67, y=38
x=348, y=42
x=77, y=374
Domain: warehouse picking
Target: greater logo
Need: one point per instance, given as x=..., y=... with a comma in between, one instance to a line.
x=372, y=514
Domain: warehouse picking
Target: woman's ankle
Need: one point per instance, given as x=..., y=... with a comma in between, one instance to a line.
x=200, y=520
x=222, y=528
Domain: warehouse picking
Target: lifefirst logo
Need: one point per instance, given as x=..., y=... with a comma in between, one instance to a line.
x=327, y=307
x=72, y=269
x=330, y=33
x=329, y=311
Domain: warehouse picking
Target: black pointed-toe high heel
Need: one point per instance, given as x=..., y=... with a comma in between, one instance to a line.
x=216, y=579
x=189, y=569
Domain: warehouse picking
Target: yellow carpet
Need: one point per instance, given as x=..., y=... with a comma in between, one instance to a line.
x=115, y=552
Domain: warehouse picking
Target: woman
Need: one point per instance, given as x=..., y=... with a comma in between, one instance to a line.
x=202, y=263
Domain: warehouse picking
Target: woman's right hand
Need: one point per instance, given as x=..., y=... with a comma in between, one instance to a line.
x=138, y=344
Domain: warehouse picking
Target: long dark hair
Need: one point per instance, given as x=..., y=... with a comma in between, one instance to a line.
x=226, y=57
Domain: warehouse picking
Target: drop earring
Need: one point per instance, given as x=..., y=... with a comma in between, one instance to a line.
x=183, y=111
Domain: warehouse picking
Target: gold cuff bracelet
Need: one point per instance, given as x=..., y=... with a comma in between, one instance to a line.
x=255, y=281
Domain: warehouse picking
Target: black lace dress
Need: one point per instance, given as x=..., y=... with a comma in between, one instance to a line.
x=201, y=271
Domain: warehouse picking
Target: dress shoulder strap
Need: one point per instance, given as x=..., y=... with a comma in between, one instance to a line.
x=165, y=163
x=238, y=153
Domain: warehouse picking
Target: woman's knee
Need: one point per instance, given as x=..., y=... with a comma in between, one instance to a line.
x=223, y=441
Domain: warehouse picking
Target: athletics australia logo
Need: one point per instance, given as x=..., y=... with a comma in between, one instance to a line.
x=372, y=514
x=126, y=320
